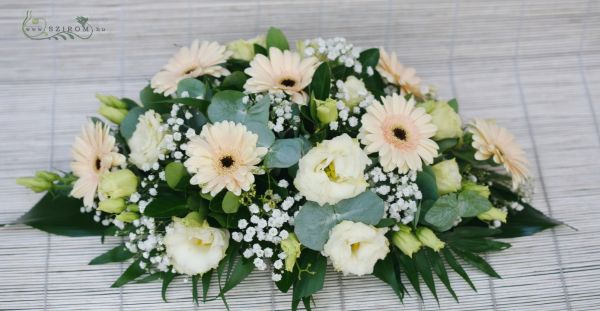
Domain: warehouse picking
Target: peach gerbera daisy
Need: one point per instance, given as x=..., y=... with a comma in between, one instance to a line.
x=395, y=73
x=200, y=59
x=281, y=71
x=94, y=153
x=224, y=155
x=493, y=141
x=400, y=133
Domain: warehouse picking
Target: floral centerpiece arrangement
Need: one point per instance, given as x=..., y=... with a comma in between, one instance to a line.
x=252, y=156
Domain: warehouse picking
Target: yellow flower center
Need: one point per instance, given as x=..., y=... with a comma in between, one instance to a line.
x=201, y=243
x=330, y=171
x=355, y=247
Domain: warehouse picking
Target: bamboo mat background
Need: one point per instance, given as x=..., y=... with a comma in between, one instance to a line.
x=533, y=65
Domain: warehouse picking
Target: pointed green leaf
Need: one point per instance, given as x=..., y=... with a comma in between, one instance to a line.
x=234, y=81
x=167, y=204
x=526, y=222
x=452, y=262
x=477, y=262
x=321, y=82
x=479, y=245
x=148, y=279
x=175, y=173
x=276, y=38
x=440, y=270
x=311, y=281
x=118, y=254
x=131, y=273
x=231, y=203
x=384, y=270
x=369, y=58
x=454, y=104
x=154, y=101
x=195, y=288
x=242, y=269
x=410, y=269
x=425, y=270
x=206, y=278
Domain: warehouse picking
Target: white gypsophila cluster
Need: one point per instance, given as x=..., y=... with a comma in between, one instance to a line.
x=264, y=230
x=349, y=117
x=177, y=133
x=399, y=192
x=282, y=113
x=148, y=242
x=334, y=49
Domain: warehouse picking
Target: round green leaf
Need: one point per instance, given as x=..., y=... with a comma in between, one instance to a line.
x=265, y=135
x=174, y=172
x=231, y=203
x=191, y=87
x=229, y=105
x=284, y=153
x=443, y=213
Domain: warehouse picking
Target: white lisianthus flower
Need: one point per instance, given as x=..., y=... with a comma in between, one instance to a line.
x=332, y=171
x=146, y=143
x=194, y=247
x=354, y=247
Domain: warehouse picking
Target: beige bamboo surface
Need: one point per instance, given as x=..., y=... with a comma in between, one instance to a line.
x=533, y=65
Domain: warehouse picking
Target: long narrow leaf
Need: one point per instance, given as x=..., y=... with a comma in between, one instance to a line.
x=195, y=288
x=167, y=278
x=117, y=254
x=206, y=278
x=409, y=267
x=384, y=271
x=476, y=262
x=425, y=270
x=131, y=273
x=452, y=262
x=440, y=270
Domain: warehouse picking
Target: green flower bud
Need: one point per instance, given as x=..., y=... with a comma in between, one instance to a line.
x=327, y=111
x=445, y=118
x=49, y=176
x=112, y=108
x=429, y=239
x=133, y=208
x=112, y=206
x=484, y=191
x=128, y=216
x=406, y=241
x=36, y=184
x=193, y=219
x=118, y=184
x=355, y=91
x=244, y=49
x=291, y=248
x=447, y=176
x=493, y=214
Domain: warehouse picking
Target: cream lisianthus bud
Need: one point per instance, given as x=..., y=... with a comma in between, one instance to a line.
x=127, y=216
x=117, y=184
x=36, y=184
x=355, y=91
x=429, y=239
x=445, y=118
x=354, y=247
x=332, y=171
x=244, y=49
x=291, y=248
x=447, y=176
x=112, y=206
x=484, y=191
x=493, y=214
x=327, y=111
x=112, y=108
x=194, y=248
x=406, y=241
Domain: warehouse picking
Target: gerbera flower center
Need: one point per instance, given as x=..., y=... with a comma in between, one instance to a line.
x=190, y=69
x=227, y=161
x=98, y=164
x=287, y=82
x=399, y=133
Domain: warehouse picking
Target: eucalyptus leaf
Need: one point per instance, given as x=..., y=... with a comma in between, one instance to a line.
x=266, y=138
x=443, y=213
x=313, y=222
x=471, y=203
x=229, y=105
x=192, y=88
x=284, y=153
x=129, y=123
